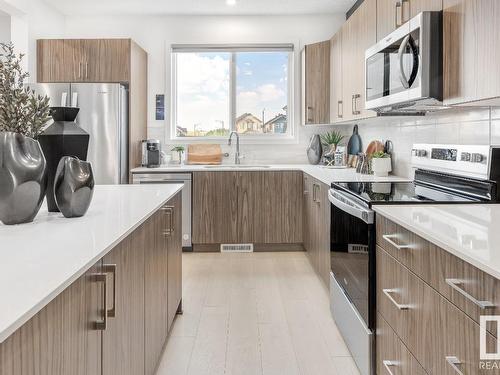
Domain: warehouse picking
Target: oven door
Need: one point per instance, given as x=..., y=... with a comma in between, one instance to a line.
x=393, y=68
x=353, y=252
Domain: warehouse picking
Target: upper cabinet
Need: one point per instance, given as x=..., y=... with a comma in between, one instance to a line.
x=316, y=83
x=83, y=60
x=393, y=13
x=358, y=33
x=336, y=99
x=471, y=51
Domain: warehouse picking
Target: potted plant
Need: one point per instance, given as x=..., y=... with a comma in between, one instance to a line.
x=23, y=115
x=381, y=164
x=180, y=151
x=331, y=140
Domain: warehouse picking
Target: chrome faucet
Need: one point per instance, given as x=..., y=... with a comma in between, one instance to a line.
x=237, y=153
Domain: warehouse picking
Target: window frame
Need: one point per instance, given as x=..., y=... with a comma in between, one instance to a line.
x=233, y=49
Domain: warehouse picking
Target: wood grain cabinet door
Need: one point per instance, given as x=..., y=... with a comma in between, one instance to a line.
x=123, y=339
x=317, y=83
x=52, y=61
x=336, y=78
x=471, y=51
x=114, y=60
x=60, y=339
x=215, y=207
x=155, y=288
x=324, y=212
x=174, y=246
x=389, y=17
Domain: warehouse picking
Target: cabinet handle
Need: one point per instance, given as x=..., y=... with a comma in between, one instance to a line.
x=87, y=70
x=340, y=113
x=398, y=6
x=101, y=325
x=317, y=190
x=403, y=18
x=79, y=69
x=388, y=365
x=454, y=284
x=355, y=98
x=454, y=362
x=309, y=118
x=314, y=192
x=388, y=292
x=169, y=211
x=111, y=268
x=389, y=237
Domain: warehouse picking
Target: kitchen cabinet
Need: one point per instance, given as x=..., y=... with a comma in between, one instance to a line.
x=336, y=78
x=61, y=338
x=316, y=83
x=123, y=339
x=163, y=284
x=471, y=52
x=174, y=248
x=393, y=13
x=358, y=33
x=317, y=211
x=83, y=60
x=426, y=315
x=115, y=318
x=247, y=207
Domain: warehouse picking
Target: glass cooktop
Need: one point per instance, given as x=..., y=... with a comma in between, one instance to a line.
x=399, y=192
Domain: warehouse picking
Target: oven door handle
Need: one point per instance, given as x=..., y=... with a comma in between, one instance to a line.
x=352, y=208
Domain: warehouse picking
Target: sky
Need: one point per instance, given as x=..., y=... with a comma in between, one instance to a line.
x=203, y=82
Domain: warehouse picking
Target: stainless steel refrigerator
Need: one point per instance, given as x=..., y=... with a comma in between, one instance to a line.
x=104, y=115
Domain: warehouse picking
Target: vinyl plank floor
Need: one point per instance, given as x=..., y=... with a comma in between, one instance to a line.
x=254, y=314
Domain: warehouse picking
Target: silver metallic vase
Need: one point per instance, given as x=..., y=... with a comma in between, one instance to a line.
x=73, y=186
x=23, y=178
x=314, y=150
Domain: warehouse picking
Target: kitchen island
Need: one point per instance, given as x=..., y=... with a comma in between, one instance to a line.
x=112, y=277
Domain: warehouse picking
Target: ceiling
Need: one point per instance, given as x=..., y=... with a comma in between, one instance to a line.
x=200, y=7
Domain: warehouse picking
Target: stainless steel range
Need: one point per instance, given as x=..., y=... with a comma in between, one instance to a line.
x=444, y=174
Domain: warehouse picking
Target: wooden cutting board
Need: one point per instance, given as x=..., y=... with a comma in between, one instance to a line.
x=204, y=153
x=373, y=147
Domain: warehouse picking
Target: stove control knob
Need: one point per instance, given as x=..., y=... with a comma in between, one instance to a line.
x=420, y=153
x=465, y=156
x=476, y=158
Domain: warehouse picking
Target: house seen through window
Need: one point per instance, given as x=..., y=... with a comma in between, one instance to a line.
x=219, y=90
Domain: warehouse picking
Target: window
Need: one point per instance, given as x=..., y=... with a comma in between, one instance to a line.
x=220, y=89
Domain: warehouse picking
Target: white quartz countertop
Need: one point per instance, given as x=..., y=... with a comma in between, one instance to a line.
x=468, y=231
x=323, y=174
x=39, y=260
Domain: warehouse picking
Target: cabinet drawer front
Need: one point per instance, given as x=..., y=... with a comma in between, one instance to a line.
x=470, y=289
x=433, y=329
x=392, y=356
x=405, y=246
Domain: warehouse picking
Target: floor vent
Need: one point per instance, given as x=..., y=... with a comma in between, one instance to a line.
x=237, y=248
x=357, y=249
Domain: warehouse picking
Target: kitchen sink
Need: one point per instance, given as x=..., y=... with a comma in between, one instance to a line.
x=237, y=166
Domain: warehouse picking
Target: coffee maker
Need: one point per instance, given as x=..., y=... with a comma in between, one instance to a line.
x=151, y=153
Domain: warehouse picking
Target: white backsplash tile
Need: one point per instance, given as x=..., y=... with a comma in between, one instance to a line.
x=456, y=125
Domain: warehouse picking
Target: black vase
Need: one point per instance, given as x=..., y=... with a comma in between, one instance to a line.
x=23, y=178
x=73, y=186
x=62, y=138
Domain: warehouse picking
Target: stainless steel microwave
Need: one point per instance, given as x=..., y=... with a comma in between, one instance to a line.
x=404, y=70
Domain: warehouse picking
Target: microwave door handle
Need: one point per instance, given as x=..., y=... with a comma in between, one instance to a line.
x=361, y=213
x=402, y=75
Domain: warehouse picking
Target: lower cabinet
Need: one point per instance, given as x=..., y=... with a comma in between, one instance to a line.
x=115, y=318
x=317, y=226
x=61, y=339
x=247, y=207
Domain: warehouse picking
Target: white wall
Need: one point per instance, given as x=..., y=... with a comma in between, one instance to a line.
x=31, y=20
x=156, y=34
x=4, y=27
